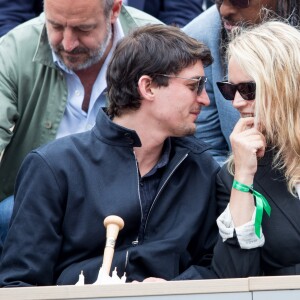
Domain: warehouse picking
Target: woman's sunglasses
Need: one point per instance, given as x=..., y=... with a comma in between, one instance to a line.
x=237, y=3
x=246, y=90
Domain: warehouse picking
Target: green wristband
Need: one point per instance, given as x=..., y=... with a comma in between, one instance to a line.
x=261, y=203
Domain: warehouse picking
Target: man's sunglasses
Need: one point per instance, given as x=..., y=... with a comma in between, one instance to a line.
x=201, y=81
x=236, y=3
x=246, y=90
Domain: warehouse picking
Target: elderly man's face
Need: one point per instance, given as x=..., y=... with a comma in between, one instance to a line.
x=232, y=15
x=78, y=31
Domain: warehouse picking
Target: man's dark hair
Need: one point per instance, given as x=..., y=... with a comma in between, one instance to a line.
x=149, y=50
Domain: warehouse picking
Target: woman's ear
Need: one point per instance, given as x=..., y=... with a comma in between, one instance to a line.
x=145, y=86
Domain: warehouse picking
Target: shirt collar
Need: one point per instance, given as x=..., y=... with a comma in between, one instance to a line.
x=164, y=159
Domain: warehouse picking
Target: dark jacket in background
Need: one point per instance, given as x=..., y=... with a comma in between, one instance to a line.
x=15, y=12
x=171, y=12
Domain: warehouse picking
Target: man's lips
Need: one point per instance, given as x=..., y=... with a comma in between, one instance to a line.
x=228, y=25
x=195, y=113
x=71, y=54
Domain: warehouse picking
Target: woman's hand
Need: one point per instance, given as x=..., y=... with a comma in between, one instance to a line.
x=247, y=145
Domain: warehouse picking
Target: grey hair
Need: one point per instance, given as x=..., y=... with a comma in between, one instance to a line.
x=108, y=7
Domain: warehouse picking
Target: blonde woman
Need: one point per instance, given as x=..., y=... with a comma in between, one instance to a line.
x=260, y=227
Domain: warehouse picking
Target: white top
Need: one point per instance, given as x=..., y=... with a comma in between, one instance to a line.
x=75, y=119
x=246, y=233
x=298, y=189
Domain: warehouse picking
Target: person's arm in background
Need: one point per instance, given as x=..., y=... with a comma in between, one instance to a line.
x=8, y=91
x=15, y=12
x=174, y=12
x=38, y=7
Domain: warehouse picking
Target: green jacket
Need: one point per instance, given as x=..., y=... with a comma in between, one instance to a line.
x=33, y=92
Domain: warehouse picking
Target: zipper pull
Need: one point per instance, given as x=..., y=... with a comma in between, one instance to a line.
x=136, y=242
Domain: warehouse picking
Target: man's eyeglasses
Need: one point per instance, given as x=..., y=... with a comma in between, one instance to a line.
x=201, y=81
x=236, y=3
x=246, y=90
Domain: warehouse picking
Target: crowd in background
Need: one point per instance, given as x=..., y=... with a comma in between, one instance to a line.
x=179, y=13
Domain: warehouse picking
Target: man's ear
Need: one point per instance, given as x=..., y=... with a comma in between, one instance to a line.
x=115, y=12
x=145, y=86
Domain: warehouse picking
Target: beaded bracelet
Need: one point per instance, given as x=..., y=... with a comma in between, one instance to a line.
x=260, y=201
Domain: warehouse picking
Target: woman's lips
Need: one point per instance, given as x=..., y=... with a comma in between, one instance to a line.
x=247, y=115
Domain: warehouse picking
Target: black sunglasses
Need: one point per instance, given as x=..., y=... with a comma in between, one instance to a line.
x=201, y=81
x=237, y=3
x=246, y=90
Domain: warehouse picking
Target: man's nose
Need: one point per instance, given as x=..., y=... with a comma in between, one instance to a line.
x=70, y=40
x=203, y=98
x=226, y=8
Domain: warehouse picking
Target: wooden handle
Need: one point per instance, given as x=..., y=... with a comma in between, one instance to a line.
x=113, y=225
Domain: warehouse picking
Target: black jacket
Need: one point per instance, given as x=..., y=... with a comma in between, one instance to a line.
x=171, y=12
x=280, y=254
x=66, y=188
x=13, y=13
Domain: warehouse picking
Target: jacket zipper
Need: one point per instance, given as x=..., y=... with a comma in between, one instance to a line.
x=136, y=242
x=155, y=199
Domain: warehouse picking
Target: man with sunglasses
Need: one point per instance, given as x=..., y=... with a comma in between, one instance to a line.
x=213, y=27
x=139, y=162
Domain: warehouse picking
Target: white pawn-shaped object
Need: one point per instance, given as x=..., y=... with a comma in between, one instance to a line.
x=103, y=278
x=81, y=279
x=123, y=278
x=114, y=276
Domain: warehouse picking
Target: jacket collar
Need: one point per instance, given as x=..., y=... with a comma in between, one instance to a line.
x=127, y=21
x=43, y=53
x=114, y=134
x=117, y=135
x=192, y=143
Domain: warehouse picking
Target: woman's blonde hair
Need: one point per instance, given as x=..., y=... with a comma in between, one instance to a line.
x=270, y=54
